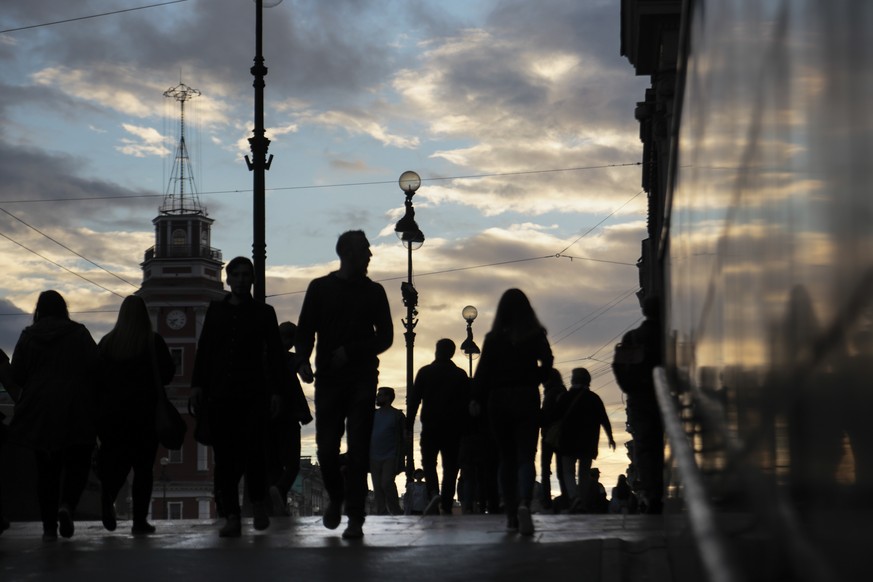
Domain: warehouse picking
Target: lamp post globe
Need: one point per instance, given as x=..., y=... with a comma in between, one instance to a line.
x=409, y=182
x=470, y=314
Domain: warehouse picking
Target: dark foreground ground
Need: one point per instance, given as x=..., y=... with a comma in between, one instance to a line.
x=603, y=548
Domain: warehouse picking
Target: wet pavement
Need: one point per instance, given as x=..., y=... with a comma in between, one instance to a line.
x=605, y=548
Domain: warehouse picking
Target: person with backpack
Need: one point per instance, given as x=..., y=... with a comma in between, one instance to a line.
x=636, y=357
x=583, y=415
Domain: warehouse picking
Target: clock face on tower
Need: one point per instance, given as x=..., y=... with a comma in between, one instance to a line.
x=176, y=319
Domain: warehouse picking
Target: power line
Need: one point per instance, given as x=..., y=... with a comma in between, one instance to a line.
x=62, y=245
x=608, y=216
x=338, y=185
x=60, y=265
x=91, y=16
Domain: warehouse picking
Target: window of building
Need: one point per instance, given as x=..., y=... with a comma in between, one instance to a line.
x=202, y=457
x=180, y=237
x=174, y=510
x=175, y=456
x=178, y=355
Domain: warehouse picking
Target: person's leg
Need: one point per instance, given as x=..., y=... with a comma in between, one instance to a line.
x=292, y=460
x=449, y=450
x=546, y=454
x=376, y=470
x=527, y=432
x=389, y=486
x=113, y=465
x=568, y=477
x=585, y=484
x=229, y=452
x=329, y=431
x=507, y=472
x=76, y=469
x=143, y=480
x=359, y=425
x=429, y=450
x=48, y=484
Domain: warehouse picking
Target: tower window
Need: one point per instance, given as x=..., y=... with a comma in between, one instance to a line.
x=180, y=237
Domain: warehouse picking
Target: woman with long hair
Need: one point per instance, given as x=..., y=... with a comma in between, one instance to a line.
x=55, y=364
x=131, y=354
x=516, y=358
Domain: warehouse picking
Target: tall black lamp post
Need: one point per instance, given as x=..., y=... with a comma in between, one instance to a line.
x=408, y=232
x=259, y=163
x=468, y=346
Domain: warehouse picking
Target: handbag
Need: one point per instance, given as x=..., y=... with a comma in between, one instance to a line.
x=553, y=435
x=169, y=424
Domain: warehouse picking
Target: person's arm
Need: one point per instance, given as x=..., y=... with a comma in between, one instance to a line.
x=607, y=426
x=203, y=357
x=304, y=341
x=6, y=377
x=414, y=398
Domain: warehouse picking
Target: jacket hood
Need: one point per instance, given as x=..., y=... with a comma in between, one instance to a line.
x=50, y=329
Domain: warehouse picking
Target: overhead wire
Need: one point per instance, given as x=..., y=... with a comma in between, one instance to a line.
x=62, y=245
x=336, y=185
x=78, y=18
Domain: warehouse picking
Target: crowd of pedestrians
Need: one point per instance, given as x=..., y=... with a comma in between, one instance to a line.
x=79, y=403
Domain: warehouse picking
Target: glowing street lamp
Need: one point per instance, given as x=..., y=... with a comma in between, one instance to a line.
x=468, y=346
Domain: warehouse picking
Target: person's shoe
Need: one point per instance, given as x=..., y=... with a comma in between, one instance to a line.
x=279, y=504
x=512, y=524
x=525, y=523
x=261, y=520
x=142, y=528
x=107, y=510
x=332, y=515
x=354, y=530
x=231, y=529
x=65, y=522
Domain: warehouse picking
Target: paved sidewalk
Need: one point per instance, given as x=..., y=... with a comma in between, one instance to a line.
x=564, y=547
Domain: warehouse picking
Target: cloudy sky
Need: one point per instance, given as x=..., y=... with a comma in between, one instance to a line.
x=518, y=115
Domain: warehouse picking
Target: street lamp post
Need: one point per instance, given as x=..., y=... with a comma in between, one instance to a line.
x=408, y=232
x=259, y=163
x=468, y=346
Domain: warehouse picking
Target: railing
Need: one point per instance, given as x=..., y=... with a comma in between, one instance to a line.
x=184, y=251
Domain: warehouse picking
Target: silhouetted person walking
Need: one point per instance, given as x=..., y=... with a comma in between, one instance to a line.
x=553, y=389
x=443, y=391
x=240, y=337
x=516, y=358
x=349, y=315
x=12, y=389
x=386, y=452
x=283, y=447
x=583, y=415
x=643, y=415
x=55, y=363
x=130, y=353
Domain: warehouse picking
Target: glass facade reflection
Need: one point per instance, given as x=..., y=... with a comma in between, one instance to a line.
x=767, y=263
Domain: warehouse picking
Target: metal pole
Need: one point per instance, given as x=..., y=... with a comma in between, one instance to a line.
x=409, y=324
x=259, y=163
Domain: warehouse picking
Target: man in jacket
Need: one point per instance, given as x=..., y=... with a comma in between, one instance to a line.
x=443, y=391
x=349, y=314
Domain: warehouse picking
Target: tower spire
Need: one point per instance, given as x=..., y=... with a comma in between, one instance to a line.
x=181, y=195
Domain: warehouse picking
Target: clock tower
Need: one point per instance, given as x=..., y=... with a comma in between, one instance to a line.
x=181, y=275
